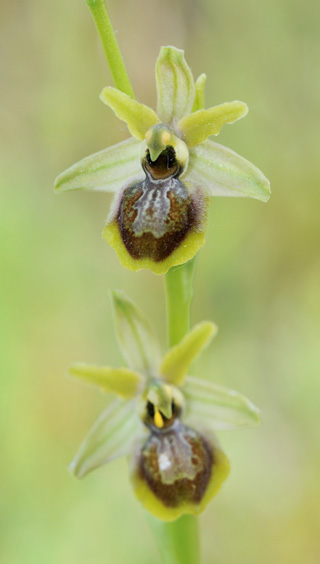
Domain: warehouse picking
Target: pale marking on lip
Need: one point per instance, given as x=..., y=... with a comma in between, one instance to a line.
x=164, y=461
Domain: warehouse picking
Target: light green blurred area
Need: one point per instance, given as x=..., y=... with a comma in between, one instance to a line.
x=257, y=277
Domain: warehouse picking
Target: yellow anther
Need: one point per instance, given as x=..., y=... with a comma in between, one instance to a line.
x=165, y=138
x=158, y=421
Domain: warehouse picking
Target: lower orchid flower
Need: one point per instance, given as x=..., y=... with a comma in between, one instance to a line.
x=162, y=418
x=163, y=175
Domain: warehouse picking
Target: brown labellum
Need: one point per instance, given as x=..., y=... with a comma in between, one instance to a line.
x=177, y=465
x=154, y=219
x=156, y=214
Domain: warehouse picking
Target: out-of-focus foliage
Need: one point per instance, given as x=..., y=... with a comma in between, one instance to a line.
x=257, y=278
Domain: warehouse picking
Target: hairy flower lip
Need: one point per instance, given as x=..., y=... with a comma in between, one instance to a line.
x=188, y=458
x=154, y=220
x=164, y=501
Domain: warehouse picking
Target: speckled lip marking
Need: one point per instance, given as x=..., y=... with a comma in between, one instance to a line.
x=177, y=465
x=154, y=218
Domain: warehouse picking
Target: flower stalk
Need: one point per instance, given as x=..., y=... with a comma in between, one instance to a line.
x=179, y=293
x=178, y=540
x=110, y=46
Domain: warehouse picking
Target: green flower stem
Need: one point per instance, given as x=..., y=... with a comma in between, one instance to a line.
x=110, y=46
x=179, y=293
x=178, y=540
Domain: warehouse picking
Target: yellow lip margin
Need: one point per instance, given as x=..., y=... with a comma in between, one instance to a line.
x=187, y=249
x=150, y=502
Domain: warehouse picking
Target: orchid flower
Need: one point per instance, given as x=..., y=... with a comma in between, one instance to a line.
x=162, y=418
x=163, y=175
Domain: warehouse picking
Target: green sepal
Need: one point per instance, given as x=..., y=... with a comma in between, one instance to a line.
x=175, y=85
x=176, y=362
x=216, y=407
x=107, y=171
x=198, y=126
x=138, y=117
x=200, y=84
x=136, y=339
x=112, y=436
x=123, y=382
x=222, y=172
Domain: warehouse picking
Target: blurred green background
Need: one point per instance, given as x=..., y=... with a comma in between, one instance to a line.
x=257, y=277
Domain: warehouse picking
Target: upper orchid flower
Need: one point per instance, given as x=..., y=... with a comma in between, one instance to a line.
x=164, y=173
x=162, y=418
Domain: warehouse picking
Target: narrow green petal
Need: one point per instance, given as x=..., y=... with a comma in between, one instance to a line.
x=221, y=172
x=175, y=85
x=112, y=436
x=138, y=117
x=136, y=340
x=196, y=127
x=121, y=381
x=199, y=97
x=107, y=171
x=176, y=362
x=217, y=407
